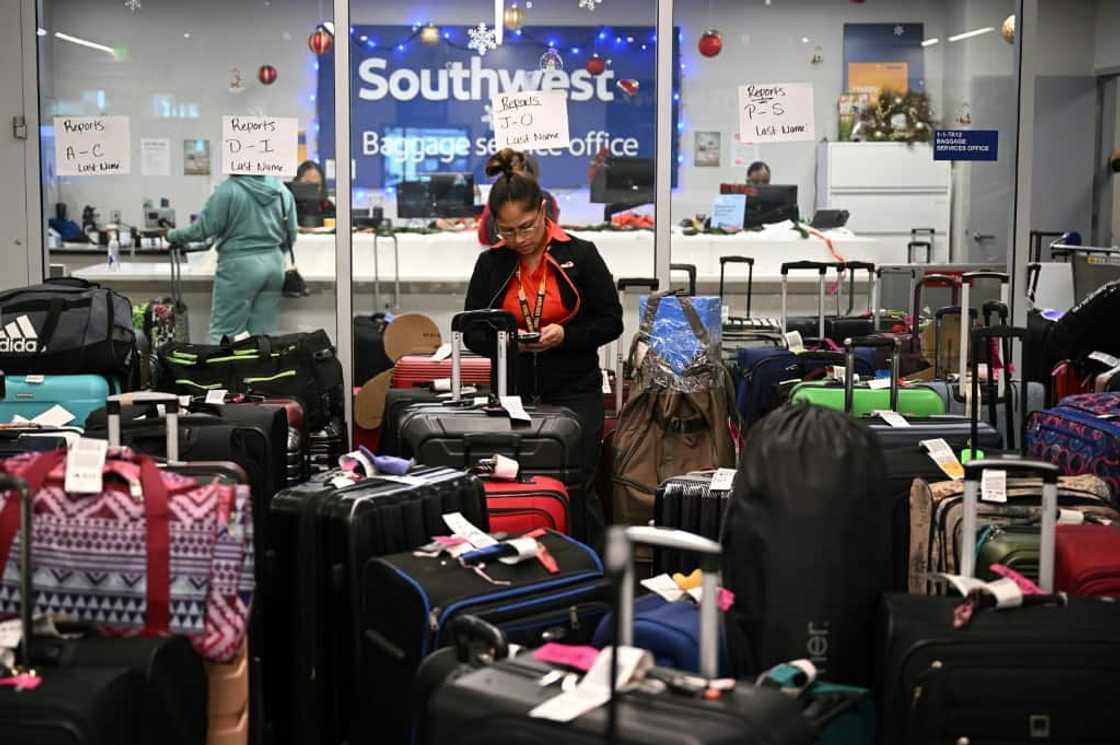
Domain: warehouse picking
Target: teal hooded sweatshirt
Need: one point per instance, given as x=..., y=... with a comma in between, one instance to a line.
x=247, y=215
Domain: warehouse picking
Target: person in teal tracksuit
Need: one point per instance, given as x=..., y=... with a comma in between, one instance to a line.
x=254, y=220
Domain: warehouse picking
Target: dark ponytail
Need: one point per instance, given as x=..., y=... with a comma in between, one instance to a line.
x=516, y=181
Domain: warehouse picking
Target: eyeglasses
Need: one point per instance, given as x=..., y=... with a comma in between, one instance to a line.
x=510, y=234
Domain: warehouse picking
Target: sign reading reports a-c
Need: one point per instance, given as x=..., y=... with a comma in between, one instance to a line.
x=965, y=144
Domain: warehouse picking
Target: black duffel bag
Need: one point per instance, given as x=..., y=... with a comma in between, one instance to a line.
x=301, y=366
x=67, y=326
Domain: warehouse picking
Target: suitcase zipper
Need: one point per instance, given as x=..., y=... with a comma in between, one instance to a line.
x=514, y=511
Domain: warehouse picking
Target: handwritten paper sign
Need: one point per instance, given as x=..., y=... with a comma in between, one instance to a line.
x=92, y=145
x=259, y=145
x=532, y=120
x=776, y=112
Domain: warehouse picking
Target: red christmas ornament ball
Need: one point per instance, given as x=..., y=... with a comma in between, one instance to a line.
x=596, y=65
x=320, y=42
x=267, y=74
x=711, y=43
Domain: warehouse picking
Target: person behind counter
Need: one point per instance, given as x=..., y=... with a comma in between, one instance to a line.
x=557, y=285
x=758, y=174
x=254, y=220
x=488, y=231
x=309, y=172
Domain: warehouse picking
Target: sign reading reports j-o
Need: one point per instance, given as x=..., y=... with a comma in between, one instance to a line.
x=776, y=112
x=92, y=145
x=530, y=120
x=259, y=145
x=965, y=144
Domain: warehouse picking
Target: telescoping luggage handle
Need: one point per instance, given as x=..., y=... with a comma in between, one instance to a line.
x=853, y=267
x=749, y=261
x=23, y=493
x=973, y=472
x=652, y=284
x=690, y=270
x=620, y=563
x=979, y=337
x=968, y=279
x=820, y=268
x=391, y=236
x=113, y=405
x=504, y=323
x=849, y=374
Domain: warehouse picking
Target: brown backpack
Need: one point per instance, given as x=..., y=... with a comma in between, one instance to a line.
x=670, y=424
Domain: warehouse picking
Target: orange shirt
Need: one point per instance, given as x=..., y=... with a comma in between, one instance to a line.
x=554, y=309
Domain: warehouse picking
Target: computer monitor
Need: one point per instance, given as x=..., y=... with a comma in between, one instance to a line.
x=766, y=204
x=622, y=184
x=309, y=203
x=436, y=195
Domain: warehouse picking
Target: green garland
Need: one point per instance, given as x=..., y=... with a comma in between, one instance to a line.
x=897, y=118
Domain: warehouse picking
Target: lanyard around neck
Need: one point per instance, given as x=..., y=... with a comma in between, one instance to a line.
x=532, y=319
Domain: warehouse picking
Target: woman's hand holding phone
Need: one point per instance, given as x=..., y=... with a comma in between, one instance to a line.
x=550, y=336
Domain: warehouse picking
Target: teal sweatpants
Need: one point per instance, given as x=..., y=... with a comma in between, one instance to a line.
x=246, y=294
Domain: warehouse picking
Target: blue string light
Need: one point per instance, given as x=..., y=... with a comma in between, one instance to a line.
x=575, y=50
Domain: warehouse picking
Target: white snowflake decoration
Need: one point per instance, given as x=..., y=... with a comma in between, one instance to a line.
x=590, y=4
x=487, y=116
x=482, y=39
x=132, y=5
x=899, y=30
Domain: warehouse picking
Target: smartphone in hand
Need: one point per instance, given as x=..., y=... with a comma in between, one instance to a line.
x=528, y=337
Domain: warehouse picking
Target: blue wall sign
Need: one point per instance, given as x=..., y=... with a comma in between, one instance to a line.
x=422, y=109
x=966, y=144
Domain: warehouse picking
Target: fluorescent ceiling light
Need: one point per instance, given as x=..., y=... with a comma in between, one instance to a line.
x=83, y=42
x=974, y=32
x=930, y=42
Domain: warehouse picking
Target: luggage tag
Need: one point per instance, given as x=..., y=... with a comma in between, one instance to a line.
x=791, y=678
x=1105, y=359
x=944, y=457
x=441, y=385
x=722, y=480
x=442, y=353
x=879, y=384
x=993, y=485
x=515, y=409
x=498, y=467
x=606, y=383
x=84, y=465
x=55, y=416
x=892, y=418
x=794, y=342
x=595, y=690
x=216, y=396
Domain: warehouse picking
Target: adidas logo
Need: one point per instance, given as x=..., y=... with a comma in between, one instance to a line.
x=19, y=337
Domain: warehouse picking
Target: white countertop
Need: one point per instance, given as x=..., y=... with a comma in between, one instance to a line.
x=450, y=257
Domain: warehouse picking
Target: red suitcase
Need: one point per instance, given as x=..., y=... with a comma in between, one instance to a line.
x=419, y=370
x=1087, y=560
x=521, y=506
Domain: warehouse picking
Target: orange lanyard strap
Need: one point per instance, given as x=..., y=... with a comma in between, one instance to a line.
x=532, y=320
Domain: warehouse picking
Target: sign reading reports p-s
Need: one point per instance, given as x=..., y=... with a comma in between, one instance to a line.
x=776, y=112
x=535, y=120
x=259, y=145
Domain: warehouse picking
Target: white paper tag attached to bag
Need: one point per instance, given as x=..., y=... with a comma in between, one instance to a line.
x=839, y=372
x=606, y=382
x=242, y=336
x=892, y=418
x=216, y=396
x=594, y=690
x=723, y=479
x=794, y=341
x=442, y=353
x=441, y=385
x=505, y=468
x=11, y=632
x=515, y=409
x=526, y=549
x=993, y=485
x=84, y=465
x=1106, y=359
x=467, y=530
x=55, y=416
x=879, y=384
x=944, y=457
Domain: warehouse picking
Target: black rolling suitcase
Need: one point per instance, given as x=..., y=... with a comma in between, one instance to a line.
x=320, y=539
x=493, y=704
x=689, y=503
x=96, y=690
x=423, y=594
x=906, y=458
x=1045, y=673
x=459, y=434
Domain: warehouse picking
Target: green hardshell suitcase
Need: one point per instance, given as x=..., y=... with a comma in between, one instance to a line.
x=917, y=401
x=1014, y=546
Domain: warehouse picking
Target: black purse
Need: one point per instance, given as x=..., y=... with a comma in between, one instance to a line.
x=294, y=284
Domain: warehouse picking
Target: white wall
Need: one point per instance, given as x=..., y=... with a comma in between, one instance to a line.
x=1106, y=48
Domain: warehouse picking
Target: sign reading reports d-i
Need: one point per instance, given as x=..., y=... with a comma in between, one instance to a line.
x=420, y=109
x=965, y=144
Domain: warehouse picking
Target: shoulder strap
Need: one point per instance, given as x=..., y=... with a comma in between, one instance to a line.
x=694, y=321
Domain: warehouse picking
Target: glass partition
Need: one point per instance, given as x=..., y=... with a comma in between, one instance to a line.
x=809, y=131
x=147, y=108
x=423, y=127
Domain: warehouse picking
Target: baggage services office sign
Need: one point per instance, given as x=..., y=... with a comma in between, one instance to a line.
x=423, y=109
